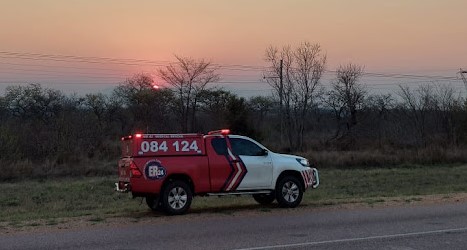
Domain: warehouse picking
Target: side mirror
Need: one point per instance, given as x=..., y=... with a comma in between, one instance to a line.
x=264, y=152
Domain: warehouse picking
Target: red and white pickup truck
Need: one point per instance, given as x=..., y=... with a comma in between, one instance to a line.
x=169, y=169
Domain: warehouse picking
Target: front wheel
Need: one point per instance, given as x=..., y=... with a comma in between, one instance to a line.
x=289, y=192
x=176, y=198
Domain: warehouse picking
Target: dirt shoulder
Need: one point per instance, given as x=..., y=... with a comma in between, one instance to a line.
x=149, y=217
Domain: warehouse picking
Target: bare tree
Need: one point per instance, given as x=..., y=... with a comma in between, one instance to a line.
x=332, y=101
x=261, y=106
x=295, y=77
x=381, y=104
x=448, y=105
x=347, y=94
x=188, y=77
x=415, y=105
x=433, y=109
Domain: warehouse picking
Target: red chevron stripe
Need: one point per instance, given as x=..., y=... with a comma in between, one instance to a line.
x=239, y=170
x=242, y=174
x=306, y=177
x=235, y=173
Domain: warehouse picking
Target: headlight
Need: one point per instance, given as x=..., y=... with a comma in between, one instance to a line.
x=303, y=162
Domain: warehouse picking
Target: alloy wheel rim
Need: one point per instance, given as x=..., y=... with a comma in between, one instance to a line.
x=290, y=191
x=177, y=198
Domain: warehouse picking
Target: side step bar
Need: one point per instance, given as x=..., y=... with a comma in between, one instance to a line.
x=240, y=193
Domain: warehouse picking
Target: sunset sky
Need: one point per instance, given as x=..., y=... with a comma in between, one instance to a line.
x=423, y=37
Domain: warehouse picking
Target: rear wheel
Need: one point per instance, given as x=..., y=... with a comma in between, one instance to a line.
x=289, y=192
x=176, y=198
x=264, y=199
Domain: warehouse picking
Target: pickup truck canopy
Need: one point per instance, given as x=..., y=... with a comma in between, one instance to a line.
x=143, y=145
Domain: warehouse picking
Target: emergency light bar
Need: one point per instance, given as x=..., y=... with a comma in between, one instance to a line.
x=219, y=132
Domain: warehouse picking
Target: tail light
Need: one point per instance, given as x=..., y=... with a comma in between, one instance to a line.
x=134, y=170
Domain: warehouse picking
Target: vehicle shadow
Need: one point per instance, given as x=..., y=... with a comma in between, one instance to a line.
x=221, y=210
x=231, y=209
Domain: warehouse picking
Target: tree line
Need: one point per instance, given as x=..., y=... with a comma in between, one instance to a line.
x=43, y=126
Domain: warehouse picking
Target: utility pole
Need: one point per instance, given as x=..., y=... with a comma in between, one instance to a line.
x=281, y=98
x=462, y=72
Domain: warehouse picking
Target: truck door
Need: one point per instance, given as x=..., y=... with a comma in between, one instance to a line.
x=221, y=169
x=257, y=161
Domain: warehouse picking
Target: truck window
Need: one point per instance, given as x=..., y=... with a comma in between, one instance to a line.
x=245, y=147
x=219, y=145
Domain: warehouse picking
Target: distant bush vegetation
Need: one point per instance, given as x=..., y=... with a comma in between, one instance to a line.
x=44, y=133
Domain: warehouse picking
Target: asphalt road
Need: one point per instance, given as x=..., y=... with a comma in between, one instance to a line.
x=414, y=227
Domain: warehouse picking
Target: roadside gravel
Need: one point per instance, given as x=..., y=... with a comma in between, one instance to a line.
x=149, y=217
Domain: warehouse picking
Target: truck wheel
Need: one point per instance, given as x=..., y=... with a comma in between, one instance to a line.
x=289, y=192
x=264, y=199
x=176, y=198
x=153, y=203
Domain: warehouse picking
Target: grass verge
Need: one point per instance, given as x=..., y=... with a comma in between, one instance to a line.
x=23, y=203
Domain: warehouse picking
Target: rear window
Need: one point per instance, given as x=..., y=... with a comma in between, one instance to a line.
x=219, y=145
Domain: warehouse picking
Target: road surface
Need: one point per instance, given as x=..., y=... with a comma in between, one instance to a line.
x=412, y=227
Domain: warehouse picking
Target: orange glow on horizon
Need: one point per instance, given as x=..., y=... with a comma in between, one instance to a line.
x=396, y=35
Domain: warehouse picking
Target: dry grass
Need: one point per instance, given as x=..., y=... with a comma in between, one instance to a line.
x=23, y=170
x=51, y=200
x=388, y=158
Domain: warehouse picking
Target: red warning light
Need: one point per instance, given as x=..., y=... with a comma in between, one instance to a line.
x=221, y=132
x=156, y=87
x=138, y=135
x=127, y=137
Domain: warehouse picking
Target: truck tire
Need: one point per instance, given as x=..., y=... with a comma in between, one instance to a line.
x=153, y=203
x=264, y=199
x=176, y=197
x=289, y=192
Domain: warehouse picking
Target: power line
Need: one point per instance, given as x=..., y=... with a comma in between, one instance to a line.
x=61, y=66
x=123, y=61
x=84, y=58
x=62, y=73
x=78, y=61
x=60, y=83
x=130, y=61
x=232, y=67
